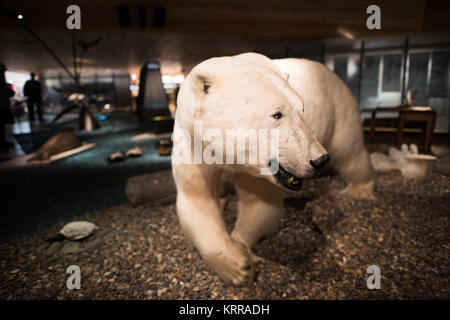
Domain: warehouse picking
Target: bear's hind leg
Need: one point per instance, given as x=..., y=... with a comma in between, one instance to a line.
x=260, y=210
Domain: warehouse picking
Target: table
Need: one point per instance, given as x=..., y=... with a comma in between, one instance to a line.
x=407, y=114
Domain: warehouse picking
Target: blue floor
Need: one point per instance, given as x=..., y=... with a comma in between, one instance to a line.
x=35, y=199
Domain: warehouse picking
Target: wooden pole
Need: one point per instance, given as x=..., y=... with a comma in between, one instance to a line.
x=34, y=35
x=361, y=65
x=405, y=59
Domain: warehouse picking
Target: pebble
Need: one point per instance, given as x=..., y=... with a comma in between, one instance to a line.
x=160, y=292
x=54, y=247
x=70, y=247
x=42, y=247
x=326, y=244
x=92, y=245
x=149, y=292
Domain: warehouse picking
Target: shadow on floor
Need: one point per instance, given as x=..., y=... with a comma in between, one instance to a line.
x=35, y=199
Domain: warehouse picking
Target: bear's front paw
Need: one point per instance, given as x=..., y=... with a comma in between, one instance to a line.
x=232, y=263
x=255, y=259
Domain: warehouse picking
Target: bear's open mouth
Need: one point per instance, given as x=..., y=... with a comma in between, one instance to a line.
x=287, y=179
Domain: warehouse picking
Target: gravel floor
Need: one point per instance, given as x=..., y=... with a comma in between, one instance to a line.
x=325, y=244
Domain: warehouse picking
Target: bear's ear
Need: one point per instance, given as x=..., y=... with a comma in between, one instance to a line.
x=203, y=82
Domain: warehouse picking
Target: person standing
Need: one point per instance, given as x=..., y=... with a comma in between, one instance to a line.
x=6, y=115
x=33, y=91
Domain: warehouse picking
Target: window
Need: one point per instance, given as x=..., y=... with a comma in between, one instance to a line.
x=392, y=67
x=369, y=85
x=439, y=74
x=340, y=67
x=417, y=76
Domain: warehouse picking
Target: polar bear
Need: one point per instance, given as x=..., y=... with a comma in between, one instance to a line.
x=316, y=118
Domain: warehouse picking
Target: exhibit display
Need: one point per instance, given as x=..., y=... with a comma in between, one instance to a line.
x=152, y=100
x=233, y=158
x=309, y=108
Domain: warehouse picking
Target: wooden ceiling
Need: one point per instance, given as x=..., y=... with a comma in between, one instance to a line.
x=128, y=50
x=196, y=29
x=318, y=18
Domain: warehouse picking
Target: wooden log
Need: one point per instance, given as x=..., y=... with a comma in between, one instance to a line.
x=157, y=188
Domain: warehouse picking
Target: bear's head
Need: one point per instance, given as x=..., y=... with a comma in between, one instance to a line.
x=234, y=99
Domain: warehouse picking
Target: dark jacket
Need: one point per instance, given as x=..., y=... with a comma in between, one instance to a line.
x=6, y=115
x=32, y=90
x=5, y=94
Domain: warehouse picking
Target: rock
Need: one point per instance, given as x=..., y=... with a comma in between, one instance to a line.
x=117, y=156
x=121, y=287
x=149, y=292
x=78, y=230
x=54, y=247
x=70, y=247
x=42, y=247
x=135, y=152
x=160, y=292
x=92, y=245
x=110, y=235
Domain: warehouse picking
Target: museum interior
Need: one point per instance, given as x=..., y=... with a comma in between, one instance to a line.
x=89, y=94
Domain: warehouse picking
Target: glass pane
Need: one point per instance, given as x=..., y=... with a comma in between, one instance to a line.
x=340, y=67
x=417, y=79
x=440, y=74
x=369, y=84
x=392, y=66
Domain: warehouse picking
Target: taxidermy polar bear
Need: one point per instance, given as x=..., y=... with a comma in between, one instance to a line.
x=317, y=119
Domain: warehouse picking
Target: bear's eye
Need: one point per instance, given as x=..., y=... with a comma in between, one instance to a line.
x=277, y=115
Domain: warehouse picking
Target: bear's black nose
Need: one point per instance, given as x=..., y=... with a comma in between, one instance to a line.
x=320, y=162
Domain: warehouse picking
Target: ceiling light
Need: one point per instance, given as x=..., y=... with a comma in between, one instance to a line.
x=346, y=33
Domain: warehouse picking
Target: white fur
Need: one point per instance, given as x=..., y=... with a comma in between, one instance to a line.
x=332, y=113
x=319, y=115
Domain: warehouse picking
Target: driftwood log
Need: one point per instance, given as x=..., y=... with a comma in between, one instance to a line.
x=158, y=188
